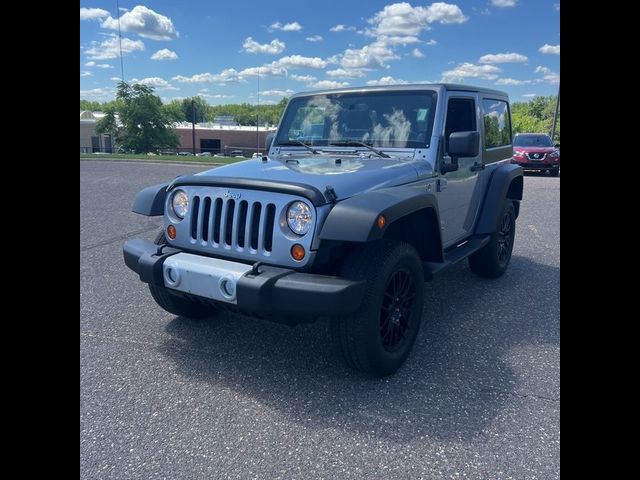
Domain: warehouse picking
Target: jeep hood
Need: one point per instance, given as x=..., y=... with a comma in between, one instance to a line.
x=348, y=175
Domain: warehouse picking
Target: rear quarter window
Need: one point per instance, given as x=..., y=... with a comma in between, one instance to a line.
x=497, y=123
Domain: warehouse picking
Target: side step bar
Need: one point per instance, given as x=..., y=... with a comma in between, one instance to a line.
x=454, y=255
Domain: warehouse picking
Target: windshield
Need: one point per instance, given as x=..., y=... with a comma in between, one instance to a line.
x=532, y=141
x=401, y=119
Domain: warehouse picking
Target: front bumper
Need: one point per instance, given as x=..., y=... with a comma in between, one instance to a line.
x=272, y=290
x=552, y=163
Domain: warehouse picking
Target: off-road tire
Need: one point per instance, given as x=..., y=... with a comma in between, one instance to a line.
x=377, y=338
x=492, y=260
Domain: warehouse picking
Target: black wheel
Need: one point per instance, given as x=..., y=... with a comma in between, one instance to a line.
x=174, y=304
x=378, y=337
x=493, y=259
x=554, y=172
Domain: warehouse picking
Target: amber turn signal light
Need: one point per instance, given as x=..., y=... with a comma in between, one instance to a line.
x=171, y=232
x=297, y=252
x=381, y=221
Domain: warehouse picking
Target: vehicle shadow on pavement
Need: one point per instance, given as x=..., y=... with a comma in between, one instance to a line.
x=460, y=376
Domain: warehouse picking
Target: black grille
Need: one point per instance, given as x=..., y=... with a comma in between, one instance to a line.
x=536, y=156
x=238, y=224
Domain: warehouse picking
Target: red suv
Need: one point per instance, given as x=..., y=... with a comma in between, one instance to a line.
x=535, y=151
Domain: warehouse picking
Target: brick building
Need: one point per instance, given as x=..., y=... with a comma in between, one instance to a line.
x=210, y=137
x=224, y=139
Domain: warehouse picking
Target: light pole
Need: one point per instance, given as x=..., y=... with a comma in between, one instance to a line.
x=193, y=125
x=258, y=117
x=555, y=115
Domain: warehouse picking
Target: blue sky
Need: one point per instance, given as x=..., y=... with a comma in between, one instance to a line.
x=222, y=49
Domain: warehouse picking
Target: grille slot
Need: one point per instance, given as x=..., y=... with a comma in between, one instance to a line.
x=228, y=223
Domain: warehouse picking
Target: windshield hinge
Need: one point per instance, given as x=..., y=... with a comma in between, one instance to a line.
x=330, y=194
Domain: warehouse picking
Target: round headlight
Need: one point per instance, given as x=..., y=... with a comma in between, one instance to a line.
x=299, y=217
x=180, y=203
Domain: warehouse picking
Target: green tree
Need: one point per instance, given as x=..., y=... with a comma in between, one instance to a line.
x=201, y=108
x=535, y=116
x=174, y=111
x=145, y=124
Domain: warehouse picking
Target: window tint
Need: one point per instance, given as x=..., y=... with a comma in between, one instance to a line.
x=461, y=117
x=497, y=123
x=532, y=141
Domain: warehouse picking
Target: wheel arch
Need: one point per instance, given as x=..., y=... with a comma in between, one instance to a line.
x=410, y=212
x=506, y=182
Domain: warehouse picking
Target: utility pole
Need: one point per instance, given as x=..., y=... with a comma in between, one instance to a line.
x=555, y=115
x=193, y=125
x=258, y=117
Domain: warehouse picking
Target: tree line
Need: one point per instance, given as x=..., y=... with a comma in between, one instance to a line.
x=145, y=121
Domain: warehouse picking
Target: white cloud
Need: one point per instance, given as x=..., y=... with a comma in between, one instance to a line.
x=465, y=70
x=115, y=79
x=164, y=54
x=530, y=95
x=272, y=48
x=397, y=40
x=228, y=75
x=417, y=53
x=269, y=69
x=387, y=81
x=145, y=22
x=328, y=84
x=548, y=76
x=276, y=93
x=97, y=65
x=431, y=42
x=85, y=74
x=512, y=81
x=342, y=73
x=93, y=13
x=402, y=19
x=374, y=55
x=287, y=27
x=550, y=49
x=109, y=49
x=314, y=38
x=503, y=58
x=157, y=82
x=303, y=78
x=503, y=3
x=341, y=28
x=98, y=93
x=556, y=6
x=295, y=61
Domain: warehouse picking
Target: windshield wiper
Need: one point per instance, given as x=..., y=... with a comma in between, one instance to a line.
x=302, y=144
x=355, y=143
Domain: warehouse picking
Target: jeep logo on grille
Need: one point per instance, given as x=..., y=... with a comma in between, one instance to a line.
x=230, y=194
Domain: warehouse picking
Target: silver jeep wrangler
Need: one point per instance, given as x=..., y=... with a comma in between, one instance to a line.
x=365, y=194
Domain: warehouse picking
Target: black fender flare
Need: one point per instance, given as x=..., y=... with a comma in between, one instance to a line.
x=150, y=201
x=354, y=219
x=506, y=182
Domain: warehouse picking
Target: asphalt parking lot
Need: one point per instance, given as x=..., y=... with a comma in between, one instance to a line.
x=230, y=397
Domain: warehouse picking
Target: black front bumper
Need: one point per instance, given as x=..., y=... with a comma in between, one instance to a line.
x=273, y=290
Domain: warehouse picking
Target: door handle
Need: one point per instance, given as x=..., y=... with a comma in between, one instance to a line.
x=476, y=166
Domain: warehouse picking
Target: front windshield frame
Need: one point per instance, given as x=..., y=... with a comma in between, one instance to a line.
x=532, y=141
x=334, y=112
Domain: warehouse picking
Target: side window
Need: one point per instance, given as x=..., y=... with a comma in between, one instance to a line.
x=497, y=123
x=461, y=117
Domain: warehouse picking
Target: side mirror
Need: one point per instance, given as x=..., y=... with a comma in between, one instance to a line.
x=461, y=144
x=269, y=141
x=557, y=145
x=464, y=144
